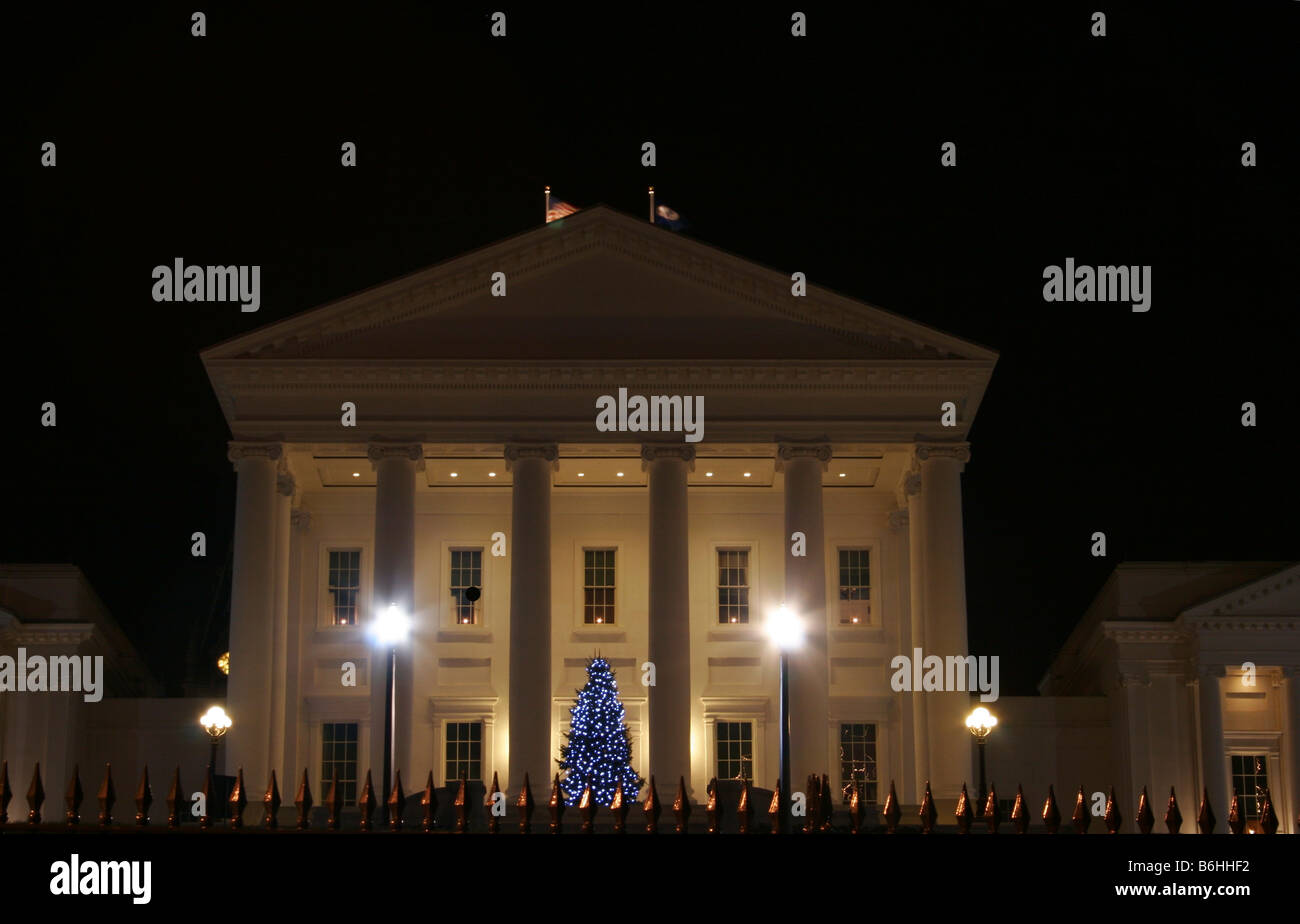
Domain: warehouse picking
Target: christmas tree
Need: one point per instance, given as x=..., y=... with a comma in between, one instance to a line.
x=599, y=752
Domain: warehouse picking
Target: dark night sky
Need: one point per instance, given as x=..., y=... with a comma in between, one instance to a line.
x=818, y=155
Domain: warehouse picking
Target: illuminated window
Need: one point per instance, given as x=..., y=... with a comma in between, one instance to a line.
x=598, y=586
x=344, y=585
x=1250, y=778
x=735, y=741
x=855, y=587
x=339, y=752
x=466, y=572
x=733, y=585
x=464, y=751
x=858, y=760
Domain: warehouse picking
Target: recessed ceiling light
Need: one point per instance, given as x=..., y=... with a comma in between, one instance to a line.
x=492, y=474
x=747, y=474
x=454, y=475
x=582, y=474
x=620, y=474
x=708, y=474
x=356, y=474
x=842, y=475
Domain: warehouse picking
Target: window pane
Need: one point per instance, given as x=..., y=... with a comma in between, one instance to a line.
x=858, y=760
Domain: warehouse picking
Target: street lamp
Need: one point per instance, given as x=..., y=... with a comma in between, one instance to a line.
x=981, y=723
x=785, y=629
x=388, y=630
x=216, y=723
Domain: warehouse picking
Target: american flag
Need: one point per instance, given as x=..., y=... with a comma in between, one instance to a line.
x=558, y=210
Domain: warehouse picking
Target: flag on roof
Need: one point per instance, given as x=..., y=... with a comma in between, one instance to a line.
x=557, y=209
x=668, y=218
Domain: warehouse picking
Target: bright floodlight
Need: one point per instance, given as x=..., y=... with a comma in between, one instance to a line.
x=785, y=628
x=215, y=722
x=981, y=722
x=391, y=626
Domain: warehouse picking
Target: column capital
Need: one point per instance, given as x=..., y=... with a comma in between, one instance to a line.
x=285, y=485
x=957, y=451
x=238, y=449
x=1291, y=671
x=909, y=485
x=1206, y=671
x=377, y=451
x=548, y=452
x=788, y=451
x=899, y=519
x=300, y=519
x=682, y=451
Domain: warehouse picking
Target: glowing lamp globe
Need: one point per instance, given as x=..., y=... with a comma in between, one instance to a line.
x=785, y=628
x=981, y=722
x=215, y=722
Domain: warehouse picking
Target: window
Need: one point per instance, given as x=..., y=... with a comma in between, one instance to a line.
x=464, y=751
x=339, y=753
x=598, y=586
x=855, y=587
x=736, y=751
x=733, y=585
x=344, y=585
x=466, y=574
x=858, y=760
x=1250, y=779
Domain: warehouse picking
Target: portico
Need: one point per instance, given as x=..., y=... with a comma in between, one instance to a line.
x=476, y=415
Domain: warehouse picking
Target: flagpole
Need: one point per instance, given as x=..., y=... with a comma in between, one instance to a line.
x=547, y=213
x=652, y=205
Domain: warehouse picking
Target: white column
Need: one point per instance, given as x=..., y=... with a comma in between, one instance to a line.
x=910, y=491
x=530, y=616
x=805, y=594
x=1291, y=734
x=1135, y=688
x=395, y=465
x=907, y=732
x=252, y=611
x=944, y=611
x=300, y=525
x=1213, y=757
x=280, y=628
x=670, y=615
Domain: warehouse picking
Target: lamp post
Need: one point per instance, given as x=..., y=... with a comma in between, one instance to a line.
x=216, y=723
x=981, y=723
x=785, y=630
x=389, y=629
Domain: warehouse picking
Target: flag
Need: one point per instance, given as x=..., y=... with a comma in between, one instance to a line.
x=668, y=218
x=558, y=209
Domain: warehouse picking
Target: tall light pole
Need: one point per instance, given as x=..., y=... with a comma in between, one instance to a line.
x=981, y=723
x=387, y=631
x=785, y=629
x=216, y=723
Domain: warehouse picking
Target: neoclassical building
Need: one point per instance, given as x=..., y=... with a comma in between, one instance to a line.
x=438, y=434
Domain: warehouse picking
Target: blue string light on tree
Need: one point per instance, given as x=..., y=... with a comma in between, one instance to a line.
x=599, y=752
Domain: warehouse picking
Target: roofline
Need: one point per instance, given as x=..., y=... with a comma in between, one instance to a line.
x=261, y=333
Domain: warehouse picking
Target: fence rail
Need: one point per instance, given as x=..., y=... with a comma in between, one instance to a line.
x=818, y=805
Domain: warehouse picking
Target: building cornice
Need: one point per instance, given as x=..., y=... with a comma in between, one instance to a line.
x=882, y=376
x=46, y=633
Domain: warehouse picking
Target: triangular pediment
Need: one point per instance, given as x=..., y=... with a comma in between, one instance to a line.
x=1275, y=595
x=599, y=284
